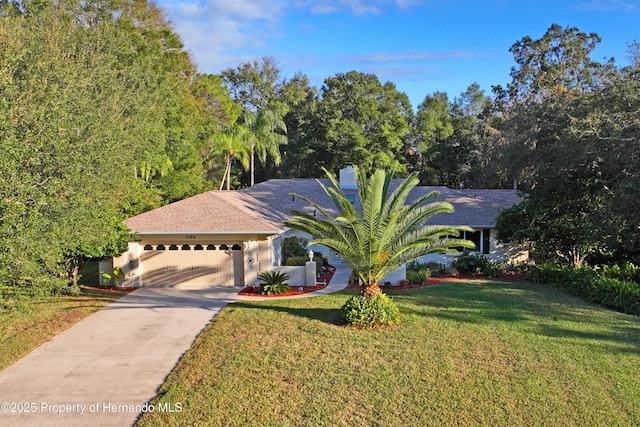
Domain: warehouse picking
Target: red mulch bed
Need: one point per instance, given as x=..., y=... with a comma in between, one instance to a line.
x=297, y=290
x=254, y=291
x=444, y=279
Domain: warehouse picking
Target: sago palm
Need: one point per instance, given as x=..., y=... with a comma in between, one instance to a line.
x=385, y=232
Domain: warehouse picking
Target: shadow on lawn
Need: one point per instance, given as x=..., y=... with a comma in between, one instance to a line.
x=536, y=309
x=472, y=302
x=325, y=315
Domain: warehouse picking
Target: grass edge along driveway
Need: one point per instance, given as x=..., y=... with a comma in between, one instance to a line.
x=468, y=353
x=29, y=323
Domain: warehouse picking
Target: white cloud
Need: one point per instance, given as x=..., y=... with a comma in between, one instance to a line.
x=224, y=33
x=245, y=9
x=215, y=30
x=357, y=7
x=405, y=66
x=410, y=73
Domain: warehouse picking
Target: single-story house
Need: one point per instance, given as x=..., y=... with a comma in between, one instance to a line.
x=228, y=237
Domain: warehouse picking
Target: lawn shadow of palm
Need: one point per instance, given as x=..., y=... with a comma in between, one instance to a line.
x=330, y=316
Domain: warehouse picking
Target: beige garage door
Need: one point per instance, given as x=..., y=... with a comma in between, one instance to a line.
x=189, y=264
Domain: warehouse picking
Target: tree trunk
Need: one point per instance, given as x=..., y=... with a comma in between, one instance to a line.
x=252, y=165
x=224, y=175
x=576, y=257
x=74, y=274
x=73, y=270
x=371, y=290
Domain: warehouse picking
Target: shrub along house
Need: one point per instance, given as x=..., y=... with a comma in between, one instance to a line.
x=227, y=237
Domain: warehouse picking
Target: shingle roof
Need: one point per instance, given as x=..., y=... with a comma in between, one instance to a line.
x=277, y=193
x=264, y=206
x=210, y=212
x=476, y=208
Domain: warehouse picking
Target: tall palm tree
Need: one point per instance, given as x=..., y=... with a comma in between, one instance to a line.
x=270, y=133
x=233, y=143
x=386, y=233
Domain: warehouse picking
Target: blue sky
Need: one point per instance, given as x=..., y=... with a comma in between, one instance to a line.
x=422, y=46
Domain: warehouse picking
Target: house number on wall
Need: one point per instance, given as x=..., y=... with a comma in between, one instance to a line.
x=190, y=237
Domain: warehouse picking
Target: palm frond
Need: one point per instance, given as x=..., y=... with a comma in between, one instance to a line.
x=387, y=232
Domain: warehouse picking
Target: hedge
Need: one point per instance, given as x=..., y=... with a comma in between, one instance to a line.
x=607, y=286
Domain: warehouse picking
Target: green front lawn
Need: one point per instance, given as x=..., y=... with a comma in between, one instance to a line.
x=27, y=323
x=469, y=353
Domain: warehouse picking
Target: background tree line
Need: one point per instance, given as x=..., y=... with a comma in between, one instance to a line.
x=103, y=115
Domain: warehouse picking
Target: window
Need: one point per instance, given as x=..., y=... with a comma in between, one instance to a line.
x=186, y=247
x=236, y=247
x=148, y=247
x=474, y=237
x=198, y=248
x=480, y=238
x=173, y=247
x=486, y=239
x=160, y=248
x=211, y=247
x=224, y=247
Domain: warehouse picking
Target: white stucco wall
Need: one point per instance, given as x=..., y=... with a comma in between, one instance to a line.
x=395, y=276
x=251, y=259
x=130, y=264
x=275, y=250
x=507, y=252
x=499, y=252
x=296, y=274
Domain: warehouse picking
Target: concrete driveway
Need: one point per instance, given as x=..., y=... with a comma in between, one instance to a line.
x=101, y=371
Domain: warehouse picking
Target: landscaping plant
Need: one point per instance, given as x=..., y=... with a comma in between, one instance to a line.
x=417, y=272
x=274, y=282
x=469, y=262
x=378, y=310
x=610, y=287
x=302, y=260
x=294, y=247
x=382, y=235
